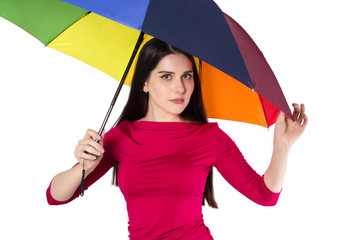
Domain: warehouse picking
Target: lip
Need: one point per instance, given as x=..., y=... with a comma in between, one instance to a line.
x=177, y=100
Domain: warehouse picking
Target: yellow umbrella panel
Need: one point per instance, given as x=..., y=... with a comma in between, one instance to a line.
x=101, y=43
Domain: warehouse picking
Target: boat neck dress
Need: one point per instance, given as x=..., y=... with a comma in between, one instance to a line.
x=163, y=167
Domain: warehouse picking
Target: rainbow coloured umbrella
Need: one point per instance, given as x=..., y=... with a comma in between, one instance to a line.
x=237, y=82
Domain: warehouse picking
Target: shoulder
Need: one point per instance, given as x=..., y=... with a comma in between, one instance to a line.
x=113, y=133
x=210, y=127
x=222, y=136
x=215, y=127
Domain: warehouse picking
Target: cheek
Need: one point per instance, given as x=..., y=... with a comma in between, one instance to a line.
x=191, y=87
x=160, y=91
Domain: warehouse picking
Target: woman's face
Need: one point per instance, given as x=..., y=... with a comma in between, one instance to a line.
x=169, y=86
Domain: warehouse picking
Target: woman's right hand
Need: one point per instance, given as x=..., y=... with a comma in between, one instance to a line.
x=89, y=145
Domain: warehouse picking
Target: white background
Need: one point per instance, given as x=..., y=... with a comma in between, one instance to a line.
x=48, y=100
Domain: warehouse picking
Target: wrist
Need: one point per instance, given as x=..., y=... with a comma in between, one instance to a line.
x=281, y=144
x=282, y=147
x=79, y=168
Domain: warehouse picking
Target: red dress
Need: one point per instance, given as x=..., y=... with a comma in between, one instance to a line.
x=163, y=168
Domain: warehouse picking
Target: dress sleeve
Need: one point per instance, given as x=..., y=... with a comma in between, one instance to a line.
x=232, y=165
x=105, y=164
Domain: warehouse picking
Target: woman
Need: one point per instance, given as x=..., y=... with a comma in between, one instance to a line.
x=162, y=149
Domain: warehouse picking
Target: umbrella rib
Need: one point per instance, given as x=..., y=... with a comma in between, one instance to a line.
x=67, y=28
x=262, y=105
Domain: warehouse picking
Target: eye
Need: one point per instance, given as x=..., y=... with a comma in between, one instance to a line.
x=187, y=76
x=166, y=76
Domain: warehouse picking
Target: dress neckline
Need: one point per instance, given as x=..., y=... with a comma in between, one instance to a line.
x=152, y=125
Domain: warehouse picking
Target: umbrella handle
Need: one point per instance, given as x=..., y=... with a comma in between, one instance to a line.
x=83, y=173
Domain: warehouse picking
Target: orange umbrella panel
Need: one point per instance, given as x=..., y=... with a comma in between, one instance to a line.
x=226, y=98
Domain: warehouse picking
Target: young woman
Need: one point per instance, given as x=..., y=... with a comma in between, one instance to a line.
x=163, y=149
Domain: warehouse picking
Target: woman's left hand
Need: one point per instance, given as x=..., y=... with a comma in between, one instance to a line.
x=286, y=131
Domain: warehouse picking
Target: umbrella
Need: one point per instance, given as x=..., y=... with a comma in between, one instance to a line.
x=237, y=82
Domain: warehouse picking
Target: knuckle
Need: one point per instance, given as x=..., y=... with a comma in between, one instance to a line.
x=89, y=132
x=80, y=147
x=83, y=155
x=86, y=148
x=76, y=151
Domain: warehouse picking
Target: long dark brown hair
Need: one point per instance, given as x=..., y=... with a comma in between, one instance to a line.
x=137, y=105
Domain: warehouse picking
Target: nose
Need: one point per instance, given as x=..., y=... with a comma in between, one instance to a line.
x=179, y=86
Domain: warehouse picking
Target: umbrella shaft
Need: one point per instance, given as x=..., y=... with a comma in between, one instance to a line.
x=137, y=46
x=138, y=43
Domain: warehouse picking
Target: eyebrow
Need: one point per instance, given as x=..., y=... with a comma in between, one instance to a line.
x=190, y=71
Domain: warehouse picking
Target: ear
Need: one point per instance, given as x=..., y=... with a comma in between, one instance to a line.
x=145, y=89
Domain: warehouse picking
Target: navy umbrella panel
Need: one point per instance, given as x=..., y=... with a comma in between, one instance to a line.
x=197, y=27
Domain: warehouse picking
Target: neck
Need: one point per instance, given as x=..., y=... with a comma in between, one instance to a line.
x=150, y=116
x=151, y=119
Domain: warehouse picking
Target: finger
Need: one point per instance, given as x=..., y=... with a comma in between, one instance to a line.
x=281, y=117
x=97, y=146
x=296, y=111
x=91, y=134
x=302, y=107
x=302, y=113
x=86, y=156
x=306, y=120
x=81, y=149
x=78, y=150
x=92, y=150
x=77, y=153
x=102, y=137
x=88, y=140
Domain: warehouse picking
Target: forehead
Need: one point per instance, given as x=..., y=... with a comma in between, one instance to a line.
x=175, y=62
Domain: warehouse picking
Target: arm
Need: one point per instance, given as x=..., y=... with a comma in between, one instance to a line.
x=64, y=187
x=64, y=184
x=232, y=165
x=285, y=134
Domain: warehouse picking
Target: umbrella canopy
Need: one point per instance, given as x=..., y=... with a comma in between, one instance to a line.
x=237, y=82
